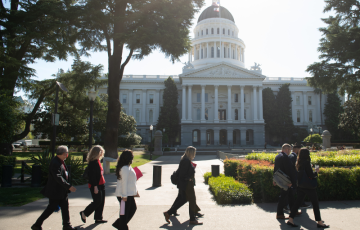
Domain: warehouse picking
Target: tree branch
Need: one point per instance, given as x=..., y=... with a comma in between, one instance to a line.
x=108, y=43
x=126, y=61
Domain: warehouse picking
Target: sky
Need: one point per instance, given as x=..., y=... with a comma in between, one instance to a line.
x=280, y=35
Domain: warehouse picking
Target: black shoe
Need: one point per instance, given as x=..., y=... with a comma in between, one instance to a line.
x=323, y=226
x=286, y=209
x=83, y=220
x=199, y=214
x=100, y=221
x=305, y=205
x=34, y=227
x=176, y=214
x=69, y=227
x=291, y=224
x=116, y=223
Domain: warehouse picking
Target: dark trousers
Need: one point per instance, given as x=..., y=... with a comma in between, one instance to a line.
x=98, y=203
x=285, y=196
x=130, y=209
x=52, y=206
x=301, y=192
x=178, y=203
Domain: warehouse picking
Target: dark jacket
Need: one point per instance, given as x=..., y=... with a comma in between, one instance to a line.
x=282, y=162
x=186, y=172
x=309, y=172
x=94, y=173
x=293, y=158
x=57, y=187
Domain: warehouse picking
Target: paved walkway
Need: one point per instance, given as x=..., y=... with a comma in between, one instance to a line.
x=154, y=201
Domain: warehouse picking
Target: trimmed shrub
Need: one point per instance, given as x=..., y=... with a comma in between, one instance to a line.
x=166, y=149
x=7, y=160
x=227, y=190
x=207, y=175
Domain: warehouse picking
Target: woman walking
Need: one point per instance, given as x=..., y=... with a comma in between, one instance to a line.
x=126, y=188
x=96, y=185
x=185, y=184
x=303, y=165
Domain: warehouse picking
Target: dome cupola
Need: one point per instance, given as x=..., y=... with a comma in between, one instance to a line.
x=211, y=12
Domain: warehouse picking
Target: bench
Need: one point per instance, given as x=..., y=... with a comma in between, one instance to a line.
x=106, y=164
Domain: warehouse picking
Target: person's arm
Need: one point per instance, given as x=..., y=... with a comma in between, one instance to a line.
x=124, y=179
x=95, y=175
x=309, y=172
x=183, y=169
x=55, y=172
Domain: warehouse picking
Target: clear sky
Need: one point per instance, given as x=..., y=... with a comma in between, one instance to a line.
x=281, y=35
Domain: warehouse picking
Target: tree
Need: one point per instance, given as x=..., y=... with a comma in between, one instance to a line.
x=313, y=138
x=350, y=118
x=270, y=113
x=141, y=26
x=339, y=68
x=169, y=113
x=319, y=91
x=284, y=113
x=332, y=110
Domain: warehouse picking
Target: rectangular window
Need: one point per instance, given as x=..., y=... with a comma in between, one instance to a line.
x=137, y=98
x=236, y=97
x=124, y=98
x=298, y=116
x=218, y=30
x=245, y=114
x=309, y=100
x=310, y=116
x=297, y=100
x=206, y=97
x=223, y=31
x=198, y=99
x=195, y=138
x=222, y=114
x=206, y=114
x=151, y=97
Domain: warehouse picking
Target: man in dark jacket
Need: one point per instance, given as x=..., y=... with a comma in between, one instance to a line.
x=57, y=189
x=282, y=162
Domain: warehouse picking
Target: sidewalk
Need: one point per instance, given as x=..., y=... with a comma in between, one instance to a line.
x=154, y=201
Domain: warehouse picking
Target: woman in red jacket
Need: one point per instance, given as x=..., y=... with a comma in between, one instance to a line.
x=96, y=185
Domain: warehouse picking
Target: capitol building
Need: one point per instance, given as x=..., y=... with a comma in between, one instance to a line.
x=220, y=101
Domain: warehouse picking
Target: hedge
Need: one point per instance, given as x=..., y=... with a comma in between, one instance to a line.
x=330, y=160
x=333, y=183
x=7, y=160
x=227, y=190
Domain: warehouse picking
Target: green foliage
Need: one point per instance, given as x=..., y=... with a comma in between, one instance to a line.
x=127, y=141
x=165, y=138
x=77, y=170
x=207, y=175
x=270, y=113
x=7, y=160
x=313, y=138
x=333, y=109
x=167, y=149
x=227, y=190
x=10, y=121
x=339, y=48
x=19, y=196
x=350, y=118
x=169, y=114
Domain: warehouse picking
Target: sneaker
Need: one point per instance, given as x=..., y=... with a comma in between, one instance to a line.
x=34, y=227
x=305, y=205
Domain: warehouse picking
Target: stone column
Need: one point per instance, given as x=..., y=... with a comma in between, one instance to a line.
x=242, y=109
x=195, y=52
x=191, y=52
x=305, y=107
x=203, y=104
x=130, y=102
x=216, y=135
x=203, y=136
x=189, y=103
x=200, y=52
x=236, y=53
x=183, y=103
x=243, y=136
x=243, y=54
x=189, y=55
x=254, y=104
x=221, y=50
x=157, y=104
x=216, y=110
x=143, y=112
x=207, y=50
x=229, y=120
x=215, y=50
x=261, y=118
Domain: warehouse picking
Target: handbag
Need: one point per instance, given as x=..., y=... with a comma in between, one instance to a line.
x=174, y=177
x=306, y=182
x=281, y=179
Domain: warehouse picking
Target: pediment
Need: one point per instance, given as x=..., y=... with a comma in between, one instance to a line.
x=223, y=70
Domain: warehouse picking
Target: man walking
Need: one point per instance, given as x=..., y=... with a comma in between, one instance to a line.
x=57, y=189
x=282, y=162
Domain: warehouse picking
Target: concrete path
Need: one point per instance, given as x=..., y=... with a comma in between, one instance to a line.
x=154, y=201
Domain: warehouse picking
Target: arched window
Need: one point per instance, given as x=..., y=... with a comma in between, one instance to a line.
x=298, y=116
x=206, y=114
x=236, y=114
x=224, y=31
x=218, y=30
x=195, y=136
x=198, y=114
x=228, y=32
x=202, y=53
x=225, y=53
x=212, y=30
x=137, y=116
x=207, y=31
x=212, y=52
x=151, y=116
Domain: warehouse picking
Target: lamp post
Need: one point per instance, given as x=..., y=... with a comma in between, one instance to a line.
x=163, y=135
x=151, y=129
x=55, y=116
x=311, y=131
x=92, y=95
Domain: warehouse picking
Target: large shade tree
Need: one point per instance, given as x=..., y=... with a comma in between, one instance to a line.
x=128, y=29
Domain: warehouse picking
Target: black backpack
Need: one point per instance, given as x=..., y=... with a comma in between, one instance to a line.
x=174, y=177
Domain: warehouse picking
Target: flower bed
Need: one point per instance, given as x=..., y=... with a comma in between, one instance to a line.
x=227, y=190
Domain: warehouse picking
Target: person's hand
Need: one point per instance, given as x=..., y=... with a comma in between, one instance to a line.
x=274, y=183
x=124, y=199
x=72, y=189
x=137, y=195
x=289, y=185
x=96, y=190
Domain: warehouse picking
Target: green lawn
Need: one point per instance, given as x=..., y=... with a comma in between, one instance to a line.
x=19, y=196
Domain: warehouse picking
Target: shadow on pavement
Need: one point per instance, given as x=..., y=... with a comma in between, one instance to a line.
x=177, y=225
x=92, y=226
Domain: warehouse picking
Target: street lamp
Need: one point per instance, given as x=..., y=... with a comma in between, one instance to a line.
x=151, y=129
x=311, y=131
x=92, y=95
x=55, y=116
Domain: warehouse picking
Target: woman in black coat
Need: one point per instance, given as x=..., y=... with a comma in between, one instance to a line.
x=303, y=165
x=96, y=185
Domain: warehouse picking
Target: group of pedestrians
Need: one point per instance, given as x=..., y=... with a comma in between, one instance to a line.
x=295, y=164
x=58, y=187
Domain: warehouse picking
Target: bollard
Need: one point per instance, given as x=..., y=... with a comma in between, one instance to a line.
x=215, y=170
x=7, y=172
x=36, y=176
x=156, y=176
x=69, y=174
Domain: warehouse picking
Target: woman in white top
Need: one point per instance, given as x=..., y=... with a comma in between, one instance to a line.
x=126, y=188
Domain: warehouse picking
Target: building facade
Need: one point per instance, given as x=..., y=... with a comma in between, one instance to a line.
x=220, y=101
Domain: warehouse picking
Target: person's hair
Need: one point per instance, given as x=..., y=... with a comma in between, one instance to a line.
x=94, y=153
x=303, y=158
x=285, y=146
x=62, y=149
x=190, y=153
x=125, y=158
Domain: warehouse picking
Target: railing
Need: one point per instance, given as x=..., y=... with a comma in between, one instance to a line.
x=284, y=79
x=149, y=76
